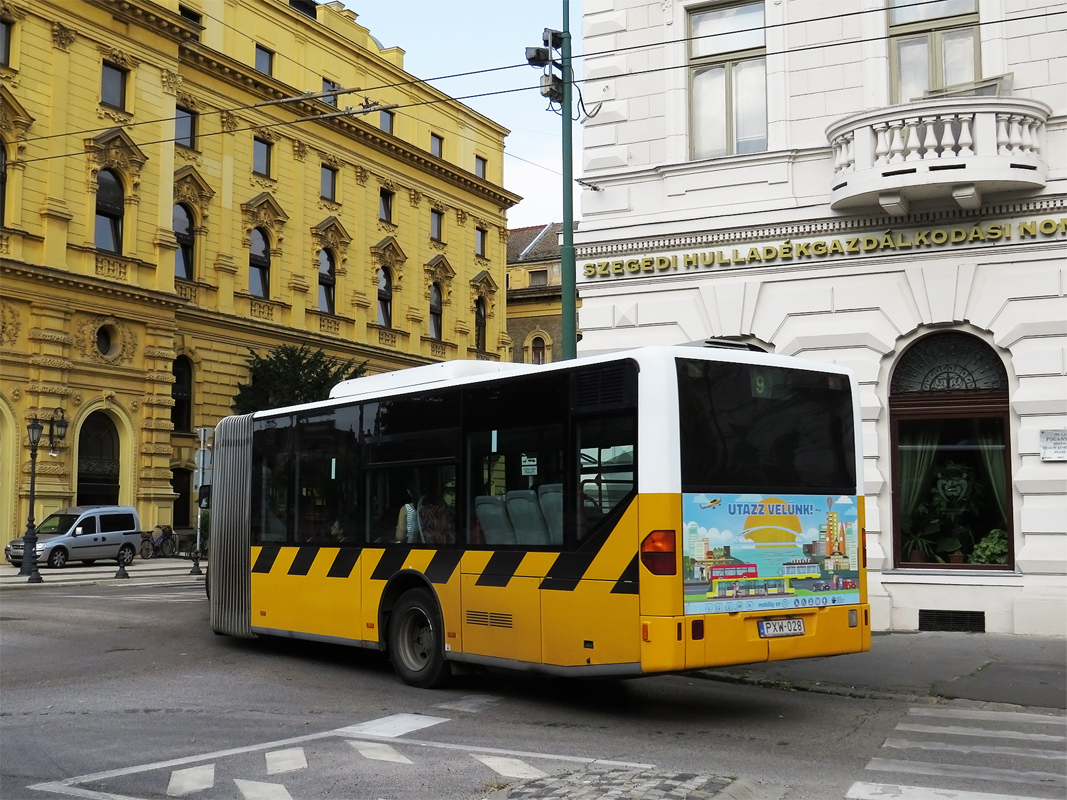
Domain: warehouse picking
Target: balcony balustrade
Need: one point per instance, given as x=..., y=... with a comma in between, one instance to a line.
x=963, y=148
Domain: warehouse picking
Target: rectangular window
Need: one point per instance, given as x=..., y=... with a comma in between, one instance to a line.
x=185, y=127
x=480, y=165
x=932, y=46
x=330, y=86
x=437, y=225
x=539, y=277
x=328, y=189
x=728, y=81
x=480, y=237
x=746, y=427
x=385, y=121
x=193, y=17
x=261, y=157
x=264, y=60
x=437, y=145
x=385, y=205
x=113, y=86
x=5, y=42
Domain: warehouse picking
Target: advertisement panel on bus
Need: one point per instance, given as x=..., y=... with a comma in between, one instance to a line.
x=749, y=552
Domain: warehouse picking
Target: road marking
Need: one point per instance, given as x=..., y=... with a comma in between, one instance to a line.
x=379, y=751
x=968, y=772
x=194, y=779
x=985, y=733
x=393, y=726
x=255, y=790
x=510, y=767
x=286, y=760
x=997, y=716
x=472, y=703
x=1023, y=752
x=70, y=787
x=862, y=790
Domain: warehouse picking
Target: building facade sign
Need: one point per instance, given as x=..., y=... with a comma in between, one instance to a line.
x=792, y=251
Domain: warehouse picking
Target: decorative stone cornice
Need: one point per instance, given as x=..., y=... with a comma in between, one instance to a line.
x=50, y=362
x=10, y=324
x=114, y=149
x=10, y=11
x=62, y=36
x=119, y=57
x=124, y=340
x=267, y=133
x=53, y=337
x=170, y=81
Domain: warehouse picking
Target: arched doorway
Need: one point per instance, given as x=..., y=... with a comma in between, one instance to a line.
x=948, y=407
x=98, y=461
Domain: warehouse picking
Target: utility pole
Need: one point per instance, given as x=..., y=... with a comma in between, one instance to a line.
x=566, y=267
x=559, y=90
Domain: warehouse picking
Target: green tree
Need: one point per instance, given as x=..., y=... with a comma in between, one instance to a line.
x=289, y=375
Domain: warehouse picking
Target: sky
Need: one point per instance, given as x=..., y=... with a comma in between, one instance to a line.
x=440, y=39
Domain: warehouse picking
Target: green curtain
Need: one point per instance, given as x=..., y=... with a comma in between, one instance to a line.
x=917, y=443
x=991, y=440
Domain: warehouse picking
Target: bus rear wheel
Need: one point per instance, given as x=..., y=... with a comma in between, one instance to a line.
x=416, y=645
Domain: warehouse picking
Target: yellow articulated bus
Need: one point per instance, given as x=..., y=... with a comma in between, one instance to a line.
x=565, y=518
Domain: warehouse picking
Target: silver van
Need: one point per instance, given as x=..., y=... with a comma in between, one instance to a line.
x=83, y=533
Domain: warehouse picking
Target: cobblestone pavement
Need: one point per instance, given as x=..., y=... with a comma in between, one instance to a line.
x=595, y=783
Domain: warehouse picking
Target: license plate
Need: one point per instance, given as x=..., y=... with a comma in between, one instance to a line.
x=769, y=628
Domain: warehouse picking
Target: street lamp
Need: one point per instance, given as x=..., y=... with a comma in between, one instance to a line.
x=57, y=431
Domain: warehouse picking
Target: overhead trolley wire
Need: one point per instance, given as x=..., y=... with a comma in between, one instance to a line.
x=449, y=99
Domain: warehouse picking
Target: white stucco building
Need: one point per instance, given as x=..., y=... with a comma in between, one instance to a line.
x=877, y=183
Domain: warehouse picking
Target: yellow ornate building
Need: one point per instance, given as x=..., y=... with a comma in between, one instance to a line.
x=180, y=186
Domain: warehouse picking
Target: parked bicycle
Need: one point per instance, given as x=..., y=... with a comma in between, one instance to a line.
x=164, y=543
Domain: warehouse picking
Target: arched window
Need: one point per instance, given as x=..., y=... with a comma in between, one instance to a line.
x=181, y=413
x=183, y=232
x=479, y=325
x=98, y=462
x=181, y=481
x=948, y=405
x=385, y=298
x=436, y=327
x=259, y=264
x=109, y=211
x=537, y=350
x=327, y=281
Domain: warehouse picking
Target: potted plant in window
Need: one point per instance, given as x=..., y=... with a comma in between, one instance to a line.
x=991, y=548
x=917, y=545
x=950, y=503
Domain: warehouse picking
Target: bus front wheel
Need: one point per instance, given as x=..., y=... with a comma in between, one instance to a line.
x=415, y=642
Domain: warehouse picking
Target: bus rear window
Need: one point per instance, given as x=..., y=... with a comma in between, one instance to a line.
x=757, y=428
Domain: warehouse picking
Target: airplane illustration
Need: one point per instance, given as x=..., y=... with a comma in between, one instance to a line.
x=711, y=503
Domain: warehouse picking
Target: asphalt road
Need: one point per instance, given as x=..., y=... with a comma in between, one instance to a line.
x=125, y=692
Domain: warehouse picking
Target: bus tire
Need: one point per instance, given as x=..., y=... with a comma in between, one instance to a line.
x=416, y=645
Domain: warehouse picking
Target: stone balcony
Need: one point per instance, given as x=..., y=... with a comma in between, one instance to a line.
x=959, y=149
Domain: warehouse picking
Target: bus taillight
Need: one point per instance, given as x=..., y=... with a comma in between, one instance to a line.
x=657, y=553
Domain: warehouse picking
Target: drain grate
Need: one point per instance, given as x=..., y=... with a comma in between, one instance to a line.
x=964, y=621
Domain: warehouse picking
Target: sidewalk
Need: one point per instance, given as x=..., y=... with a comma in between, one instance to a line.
x=985, y=667
x=141, y=571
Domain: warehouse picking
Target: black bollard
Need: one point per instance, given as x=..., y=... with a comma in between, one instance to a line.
x=122, y=570
x=196, y=563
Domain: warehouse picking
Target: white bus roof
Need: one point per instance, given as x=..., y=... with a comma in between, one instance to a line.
x=388, y=382
x=462, y=370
